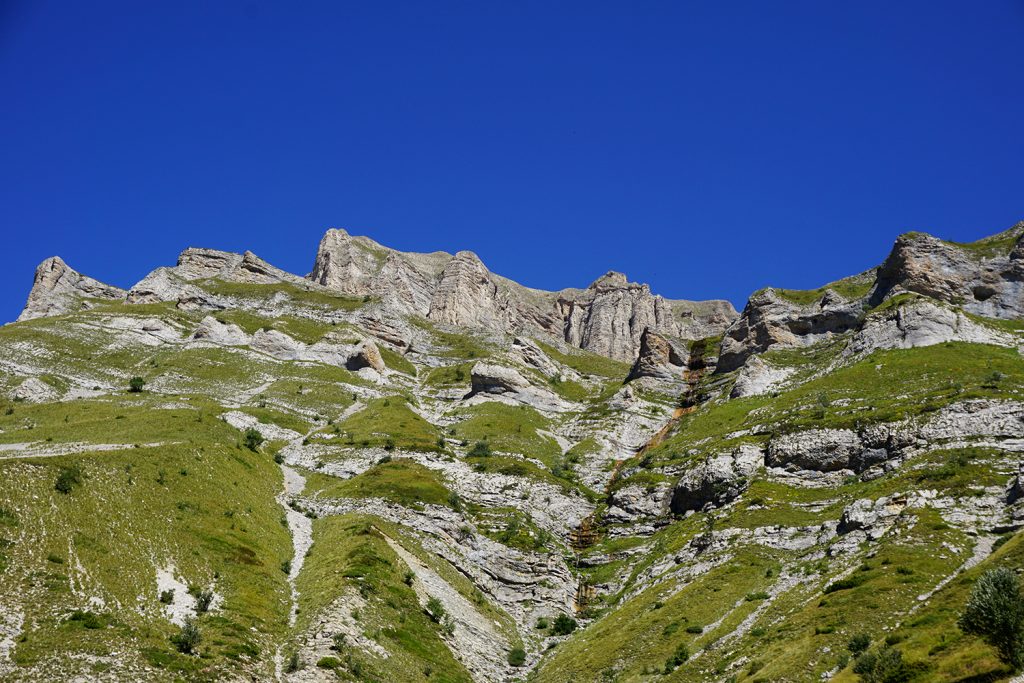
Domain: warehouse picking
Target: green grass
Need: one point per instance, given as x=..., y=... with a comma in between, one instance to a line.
x=301, y=295
x=351, y=556
x=396, y=361
x=118, y=526
x=512, y=429
x=850, y=288
x=882, y=387
x=587, y=363
x=389, y=422
x=400, y=480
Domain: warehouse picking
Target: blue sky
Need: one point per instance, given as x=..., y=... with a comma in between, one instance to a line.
x=706, y=148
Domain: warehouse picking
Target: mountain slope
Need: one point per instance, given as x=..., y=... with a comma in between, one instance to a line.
x=405, y=467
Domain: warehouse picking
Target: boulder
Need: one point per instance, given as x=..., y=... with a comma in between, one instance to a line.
x=365, y=355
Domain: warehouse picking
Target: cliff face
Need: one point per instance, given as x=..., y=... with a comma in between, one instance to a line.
x=982, y=278
x=57, y=288
x=607, y=318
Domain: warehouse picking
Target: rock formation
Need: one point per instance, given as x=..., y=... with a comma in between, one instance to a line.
x=58, y=289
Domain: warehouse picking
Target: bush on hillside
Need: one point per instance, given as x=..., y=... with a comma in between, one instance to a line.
x=995, y=612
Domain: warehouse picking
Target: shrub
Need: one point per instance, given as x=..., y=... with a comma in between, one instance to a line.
x=695, y=628
x=542, y=623
x=517, y=656
x=187, y=638
x=681, y=654
x=995, y=612
x=759, y=595
x=292, y=664
x=253, y=439
x=435, y=610
x=86, y=619
x=884, y=666
x=68, y=478
x=564, y=625
x=455, y=501
x=408, y=578
x=328, y=663
x=203, y=601
x=481, y=449
x=847, y=583
x=167, y=596
x=859, y=643
x=135, y=384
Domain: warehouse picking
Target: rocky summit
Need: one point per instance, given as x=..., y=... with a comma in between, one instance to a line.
x=404, y=467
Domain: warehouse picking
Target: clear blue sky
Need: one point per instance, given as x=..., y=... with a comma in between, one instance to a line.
x=707, y=148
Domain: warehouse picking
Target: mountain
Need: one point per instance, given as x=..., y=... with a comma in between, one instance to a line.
x=405, y=467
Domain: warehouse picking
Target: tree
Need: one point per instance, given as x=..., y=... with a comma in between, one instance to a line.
x=995, y=612
x=187, y=638
x=681, y=654
x=204, y=599
x=253, y=439
x=135, y=384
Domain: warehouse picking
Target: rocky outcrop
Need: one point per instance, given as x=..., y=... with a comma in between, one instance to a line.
x=657, y=359
x=718, y=480
x=757, y=378
x=769, y=319
x=220, y=333
x=832, y=450
x=984, y=278
x=366, y=355
x=492, y=380
x=608, y=317
x=35, y=390
x=466, y=296
x=921, y=322
x=57, y=288
x=823, y=450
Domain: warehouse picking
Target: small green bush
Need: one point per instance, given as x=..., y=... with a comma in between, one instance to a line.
x=517, y=656
x=859, y=643
x=253, y=439
x=328, y=663
x=136, y=384
x=67, y=479
x=681, y=654
x=481, y=449
x=435, y=610
x=564, y=625
x=167, y=596
x=187, y=638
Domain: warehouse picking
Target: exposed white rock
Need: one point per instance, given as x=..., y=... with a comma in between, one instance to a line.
x=757, y=378
x=58, y=289
x=35, y=390
x=921, y=323
x=221, y=333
